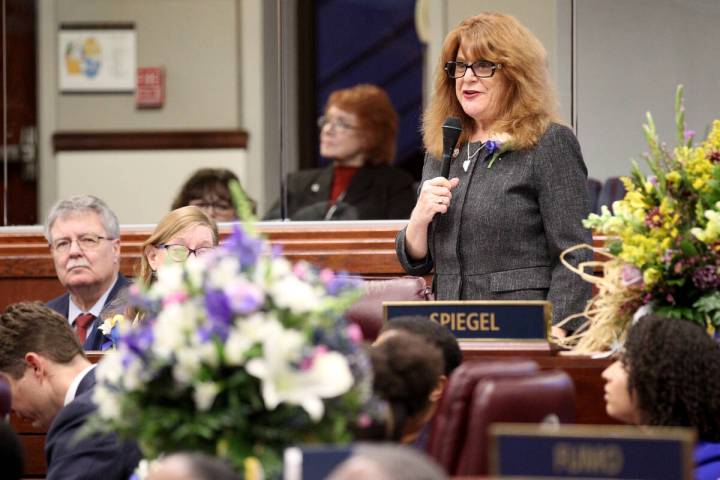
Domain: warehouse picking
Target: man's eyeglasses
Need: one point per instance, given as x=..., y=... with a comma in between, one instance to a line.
x=335, y=123
x=89, y=241
x=180, y=253
x=481, y=68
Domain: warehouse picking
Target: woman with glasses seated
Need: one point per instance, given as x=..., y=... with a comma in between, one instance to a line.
x=182, y=232
x=516, y=195
x=357, y=134
x=667, y=375
x=207, y=189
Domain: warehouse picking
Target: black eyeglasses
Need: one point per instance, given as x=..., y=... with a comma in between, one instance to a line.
x=481, y=68
x=180, y=253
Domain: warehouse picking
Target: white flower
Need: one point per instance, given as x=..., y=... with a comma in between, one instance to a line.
x=110, y=368
x=187, y=364
x=108, y=402
x=204, y=395
x=292, y=293
x=169, y=280
x=224, y=271
x=328, y=376
x=142, y=471
x=172, y=327
x=195, y=267
x=246, y=333
x=134, y=376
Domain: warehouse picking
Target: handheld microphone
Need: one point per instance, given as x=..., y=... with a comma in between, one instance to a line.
x=451, y=132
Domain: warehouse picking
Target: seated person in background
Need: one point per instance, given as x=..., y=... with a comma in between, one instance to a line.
x=52, y=384
x=84, y=239
x=208, y=189
x=357, y=133
x=183, y=232
x=443, y=339
x=407, y=371
x=387, y=462
x=667, y=375
x=191, y=466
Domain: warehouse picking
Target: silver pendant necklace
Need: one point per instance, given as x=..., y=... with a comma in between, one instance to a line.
x=466, y=163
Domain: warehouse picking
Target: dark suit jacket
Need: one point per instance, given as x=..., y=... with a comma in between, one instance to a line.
x=94, y=339
x=375, y=192
x=98, y=456
x=507, y=225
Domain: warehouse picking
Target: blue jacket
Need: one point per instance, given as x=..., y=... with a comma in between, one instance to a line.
x=95, y=456
x=707, y=461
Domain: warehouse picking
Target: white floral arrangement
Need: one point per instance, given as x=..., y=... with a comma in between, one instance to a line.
x=238, y=355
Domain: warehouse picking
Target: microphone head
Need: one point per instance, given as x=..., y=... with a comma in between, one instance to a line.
x=451, y=132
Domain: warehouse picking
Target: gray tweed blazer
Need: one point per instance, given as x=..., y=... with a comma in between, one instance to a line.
x=506, y=226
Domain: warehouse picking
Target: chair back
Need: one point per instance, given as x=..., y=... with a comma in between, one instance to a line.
x=541, y=397
x=612, y=190
x=450, y=422
x=594, y=186
x=368, y=313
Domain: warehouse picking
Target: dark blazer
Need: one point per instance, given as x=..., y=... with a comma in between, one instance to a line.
x=96, y=456
x=375, y=192
x=507, y=225
x=94, y=339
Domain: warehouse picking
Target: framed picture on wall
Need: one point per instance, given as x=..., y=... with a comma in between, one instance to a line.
x=97, y=58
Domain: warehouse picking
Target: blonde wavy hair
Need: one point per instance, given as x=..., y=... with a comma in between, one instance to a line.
x=528, y=104
x=172, y=224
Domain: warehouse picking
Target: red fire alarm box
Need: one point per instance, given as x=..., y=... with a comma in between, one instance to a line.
x=150, y=91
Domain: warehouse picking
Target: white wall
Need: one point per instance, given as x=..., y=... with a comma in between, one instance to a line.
x=631, y=56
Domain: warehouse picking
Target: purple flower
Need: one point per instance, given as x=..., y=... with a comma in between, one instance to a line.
x=688, y=134
x=653, y=180
x=137, y=341
x=492, y=145
x=706, y=278
x=244, y=246
x=243, y=297
x=218, y=307
x=342, y=281
x=631, y=275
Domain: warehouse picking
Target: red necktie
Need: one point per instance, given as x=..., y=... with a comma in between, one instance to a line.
x=81, y=325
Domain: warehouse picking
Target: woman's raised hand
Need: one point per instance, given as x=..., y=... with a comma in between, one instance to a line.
x=435, y=197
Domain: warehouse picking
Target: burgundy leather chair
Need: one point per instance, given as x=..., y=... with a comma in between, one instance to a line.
x=5, y=399
x=450, y=422
x=368, y=313
x=544, y=396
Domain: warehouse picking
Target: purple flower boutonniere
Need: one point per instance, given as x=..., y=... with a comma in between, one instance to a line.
x=497, y=145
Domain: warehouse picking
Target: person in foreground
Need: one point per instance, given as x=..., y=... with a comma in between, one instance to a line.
x=357, y=133
x=183, y=232
x=407, y=375
x=207, y=189
x=667, y=375
x=84, y=238
x=387, y=462
x=440, y=337
x=191, y=466
x=52, y=384
x=516, y=194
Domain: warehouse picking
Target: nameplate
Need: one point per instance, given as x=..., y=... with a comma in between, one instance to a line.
x=581, y=451
x=307, y=462
x=507, y=321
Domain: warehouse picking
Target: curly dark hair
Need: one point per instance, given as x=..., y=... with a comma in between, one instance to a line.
x=406, y=370
x=673, y=370
x=434, y=333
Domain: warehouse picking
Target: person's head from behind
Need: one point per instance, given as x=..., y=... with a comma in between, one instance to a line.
x=36, y=345
x=183, y=232
x=191, y=466
x=208, y=189
x=84, y=238
x=387, y=462
x=407, y=370
x=359, y=127
x=666, y=376
x=506, y=87
x=432, y=332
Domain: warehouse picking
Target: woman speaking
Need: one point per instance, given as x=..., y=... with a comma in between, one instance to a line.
x=516, y=192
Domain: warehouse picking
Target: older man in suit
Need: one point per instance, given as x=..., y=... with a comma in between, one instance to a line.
x=52, y=383
x=84, y=238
